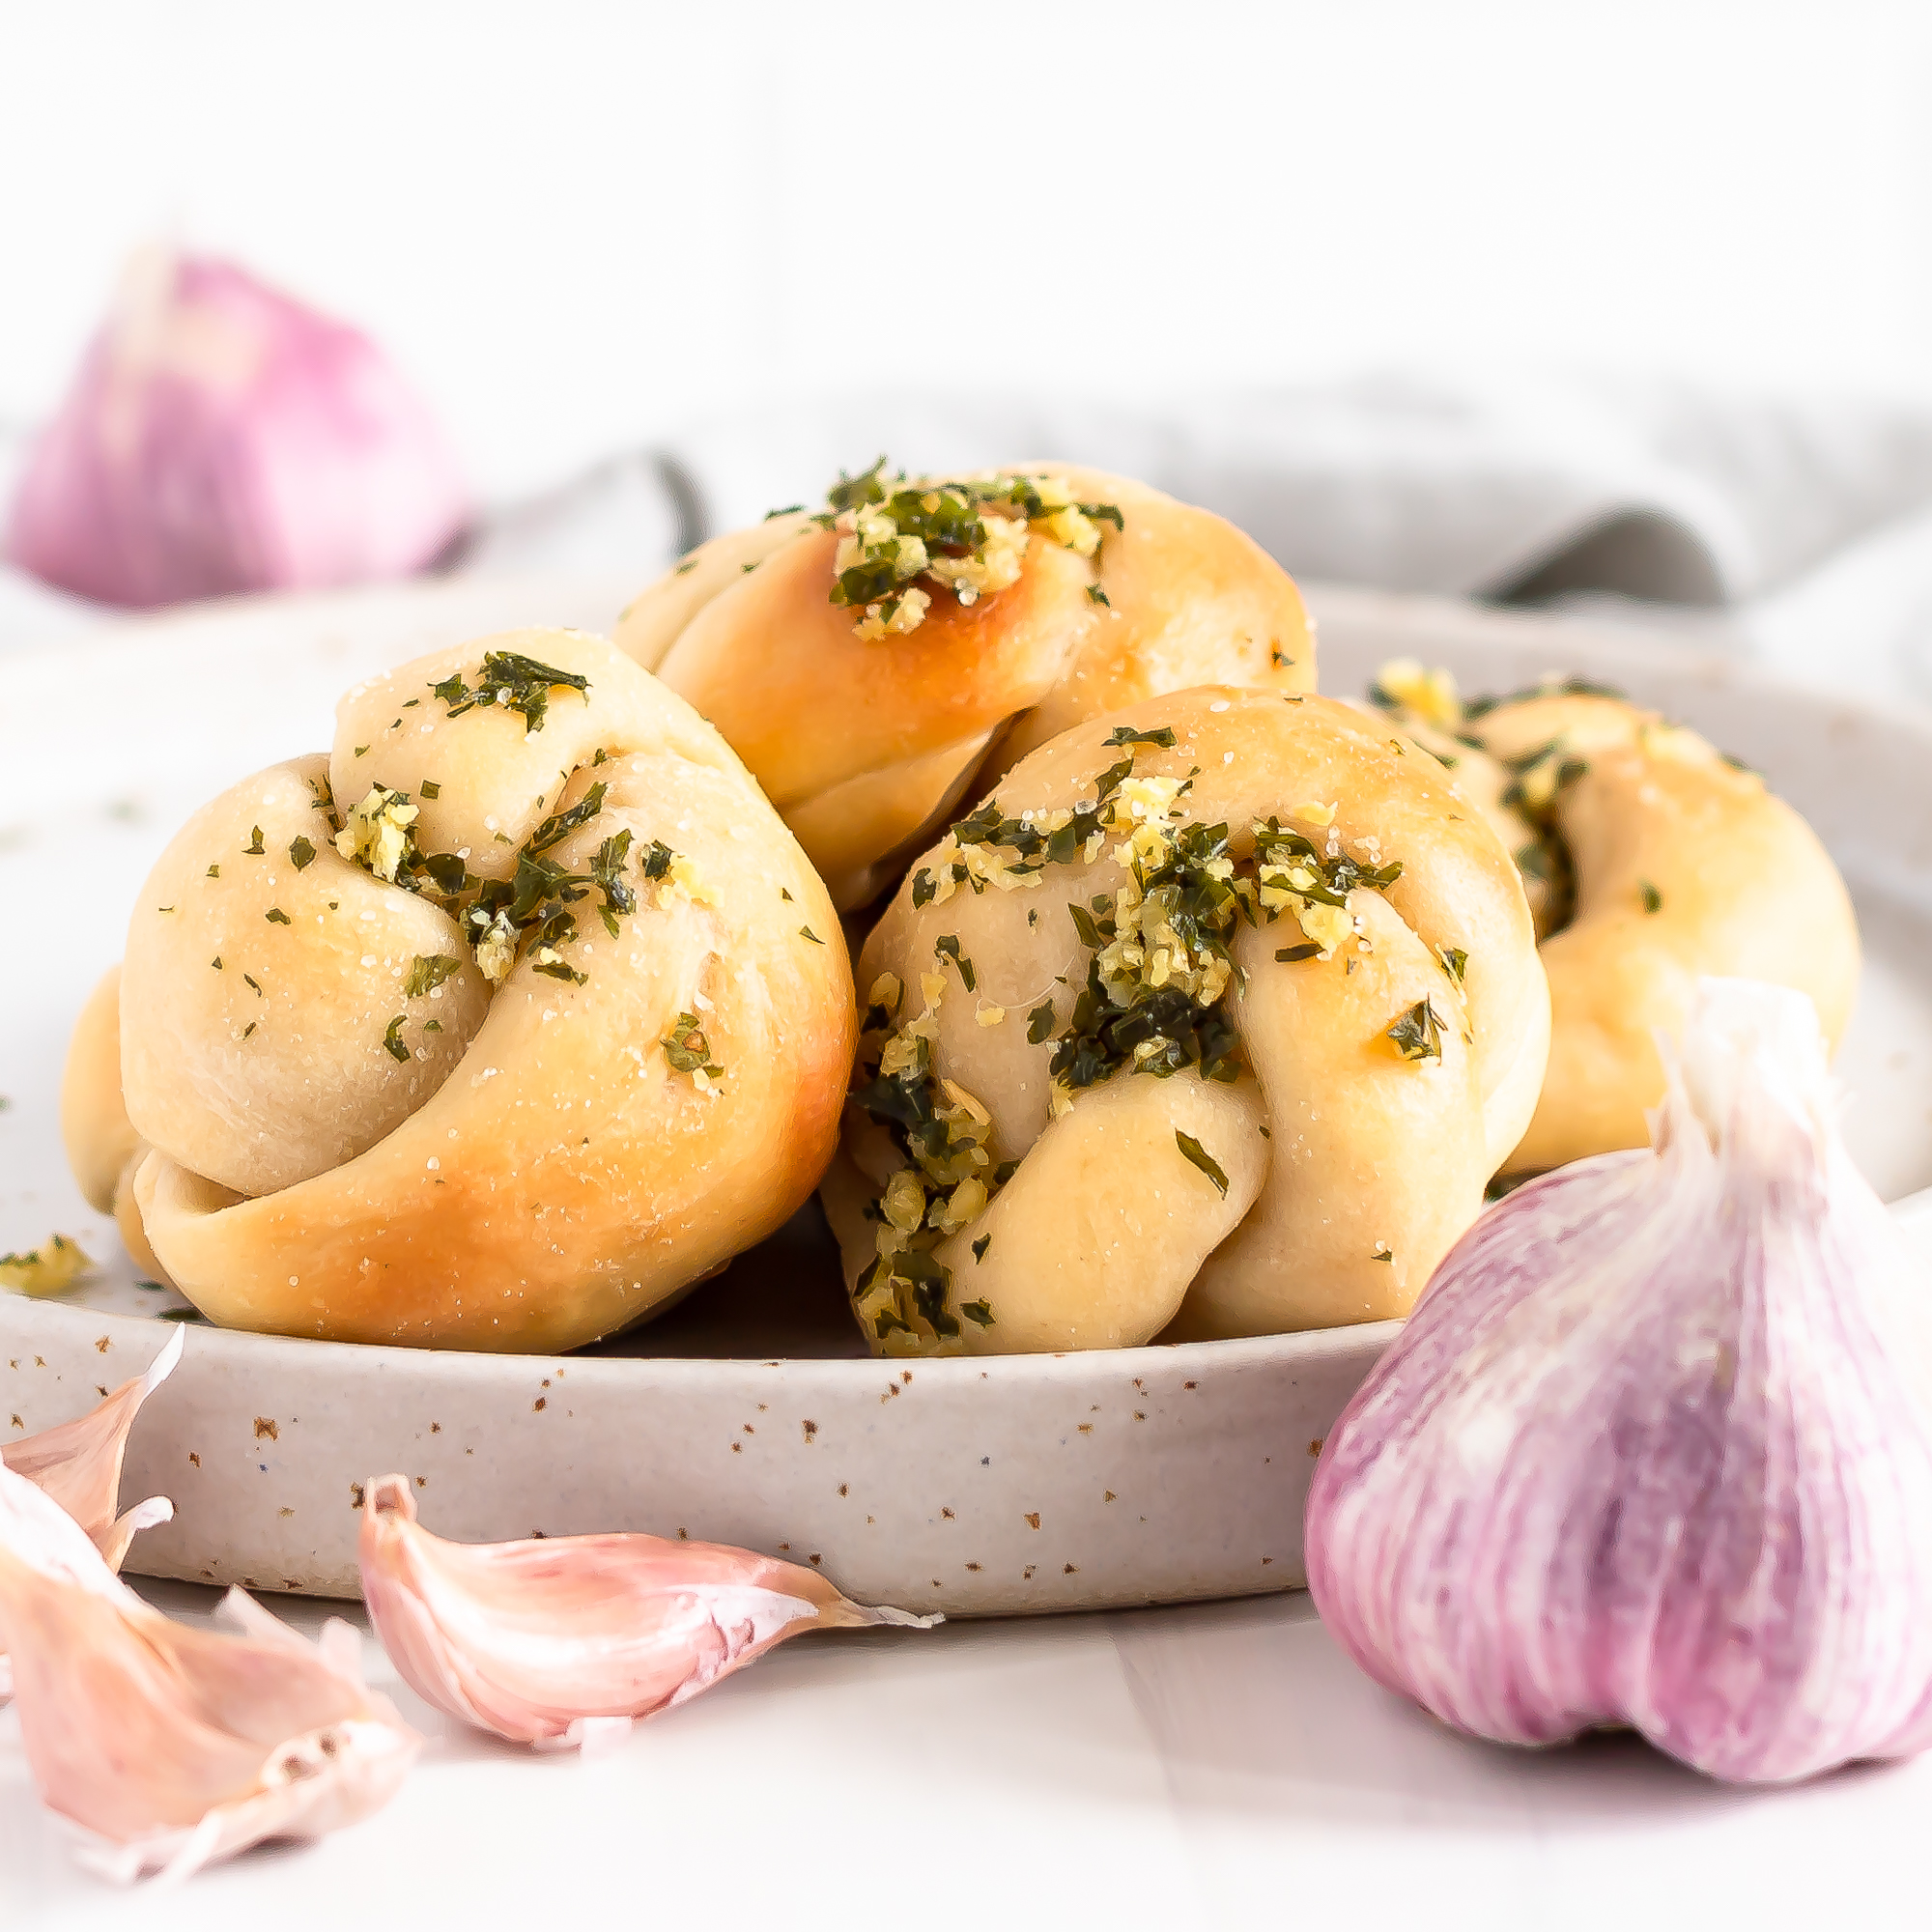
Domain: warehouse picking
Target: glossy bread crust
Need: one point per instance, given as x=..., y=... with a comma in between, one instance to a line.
x=529, y=1172
x=1349, y=1170
x=865, y=744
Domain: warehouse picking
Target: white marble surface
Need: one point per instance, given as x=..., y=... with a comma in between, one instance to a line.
x=1194, y=1770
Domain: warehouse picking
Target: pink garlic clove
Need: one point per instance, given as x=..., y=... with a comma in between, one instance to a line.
x=78, y=1462
x=220, y=438
x=1655, y=1449
x=166, y=1747
x=563, y=1640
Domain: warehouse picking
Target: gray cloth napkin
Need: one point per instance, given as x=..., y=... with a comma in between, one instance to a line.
x=1799, y=530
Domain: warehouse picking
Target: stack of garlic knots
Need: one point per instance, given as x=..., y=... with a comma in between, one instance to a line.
x=882, y=659
x=1215, y=1019
x=1651, y=861
x=496, y=1027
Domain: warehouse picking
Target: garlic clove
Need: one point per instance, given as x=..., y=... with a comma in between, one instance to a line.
x=220, y=438
x=166, y=1747
x=561, y=1641
x=1656, y=1447
x=78, y=1462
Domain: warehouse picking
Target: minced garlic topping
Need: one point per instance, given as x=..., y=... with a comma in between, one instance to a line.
x=968, y=537
x=1408, y=684
x=51, y=1268
x=377, y=832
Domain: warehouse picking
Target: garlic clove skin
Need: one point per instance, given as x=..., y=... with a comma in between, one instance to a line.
x=222, y=437
x=165, y=1748
x=561, y=1641
x=78, y=1462
x=1656, y=1448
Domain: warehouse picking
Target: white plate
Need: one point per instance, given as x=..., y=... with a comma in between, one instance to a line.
x=750, y=1415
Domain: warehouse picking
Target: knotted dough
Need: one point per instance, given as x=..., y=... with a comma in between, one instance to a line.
x=1215, y=1019
x=866, y=736
x=1651, y=861
x=496, y=1027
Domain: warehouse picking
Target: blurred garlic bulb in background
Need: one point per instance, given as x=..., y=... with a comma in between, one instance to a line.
x=220, y=438
x=1655, y=1449
x=563, y=1640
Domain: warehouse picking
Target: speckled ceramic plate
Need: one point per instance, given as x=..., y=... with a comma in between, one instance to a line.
x=750, y=1415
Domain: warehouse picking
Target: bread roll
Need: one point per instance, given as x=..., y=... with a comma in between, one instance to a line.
x=1213, y=1020
x=1651, y=861
x=984, y=616
x=495, y=1028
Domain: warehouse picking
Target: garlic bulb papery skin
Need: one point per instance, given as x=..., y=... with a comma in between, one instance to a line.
x=78, y=1462
x=1656, y=1448
x=561, y=1641
x=165, y=1748
x=220, y=438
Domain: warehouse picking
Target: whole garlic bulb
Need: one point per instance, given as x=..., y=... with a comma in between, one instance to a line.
x=1656, y=1449
x=218, y=437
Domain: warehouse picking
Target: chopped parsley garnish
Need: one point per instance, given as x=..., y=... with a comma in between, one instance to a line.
x=392, y=1040
x=517, y=683
x=215, y=962
x=805, y=932
x=1203, y=1160
x=274, y=915
x=429, y=789
x=253, y=848
x=979, y=1312
x=1290, y=955
x=1125, y=734
x=301, y=854
x=250, y=1027
x=1653, y=899
x=968, y=537
x=688, y=1051
x=214, y=872
x=1455, y=961
x=1417, y=1032
x=427, y=971
x=1098, y=596
x=948, y=943
x=980, y=1248
x=559, y=825
x=1039, y=1024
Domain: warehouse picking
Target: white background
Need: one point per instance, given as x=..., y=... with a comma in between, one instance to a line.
x=575, y=224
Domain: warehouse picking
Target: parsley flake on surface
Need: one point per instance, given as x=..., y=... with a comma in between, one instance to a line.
x=429, y=789
x=805, y=932
x=1455, y=961
x=392, y=1040
x=253, y=848
x=1203, y=1160
x=1653, y=899
x=1417, y=1032
x=947, y=944
x=275, y=916
x=301, y=854
x=427, y=971
x=1125, y=734
x=687, y=1050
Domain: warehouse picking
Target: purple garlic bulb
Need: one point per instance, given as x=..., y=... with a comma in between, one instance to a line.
x=222, y=437
x=1655, y=1448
